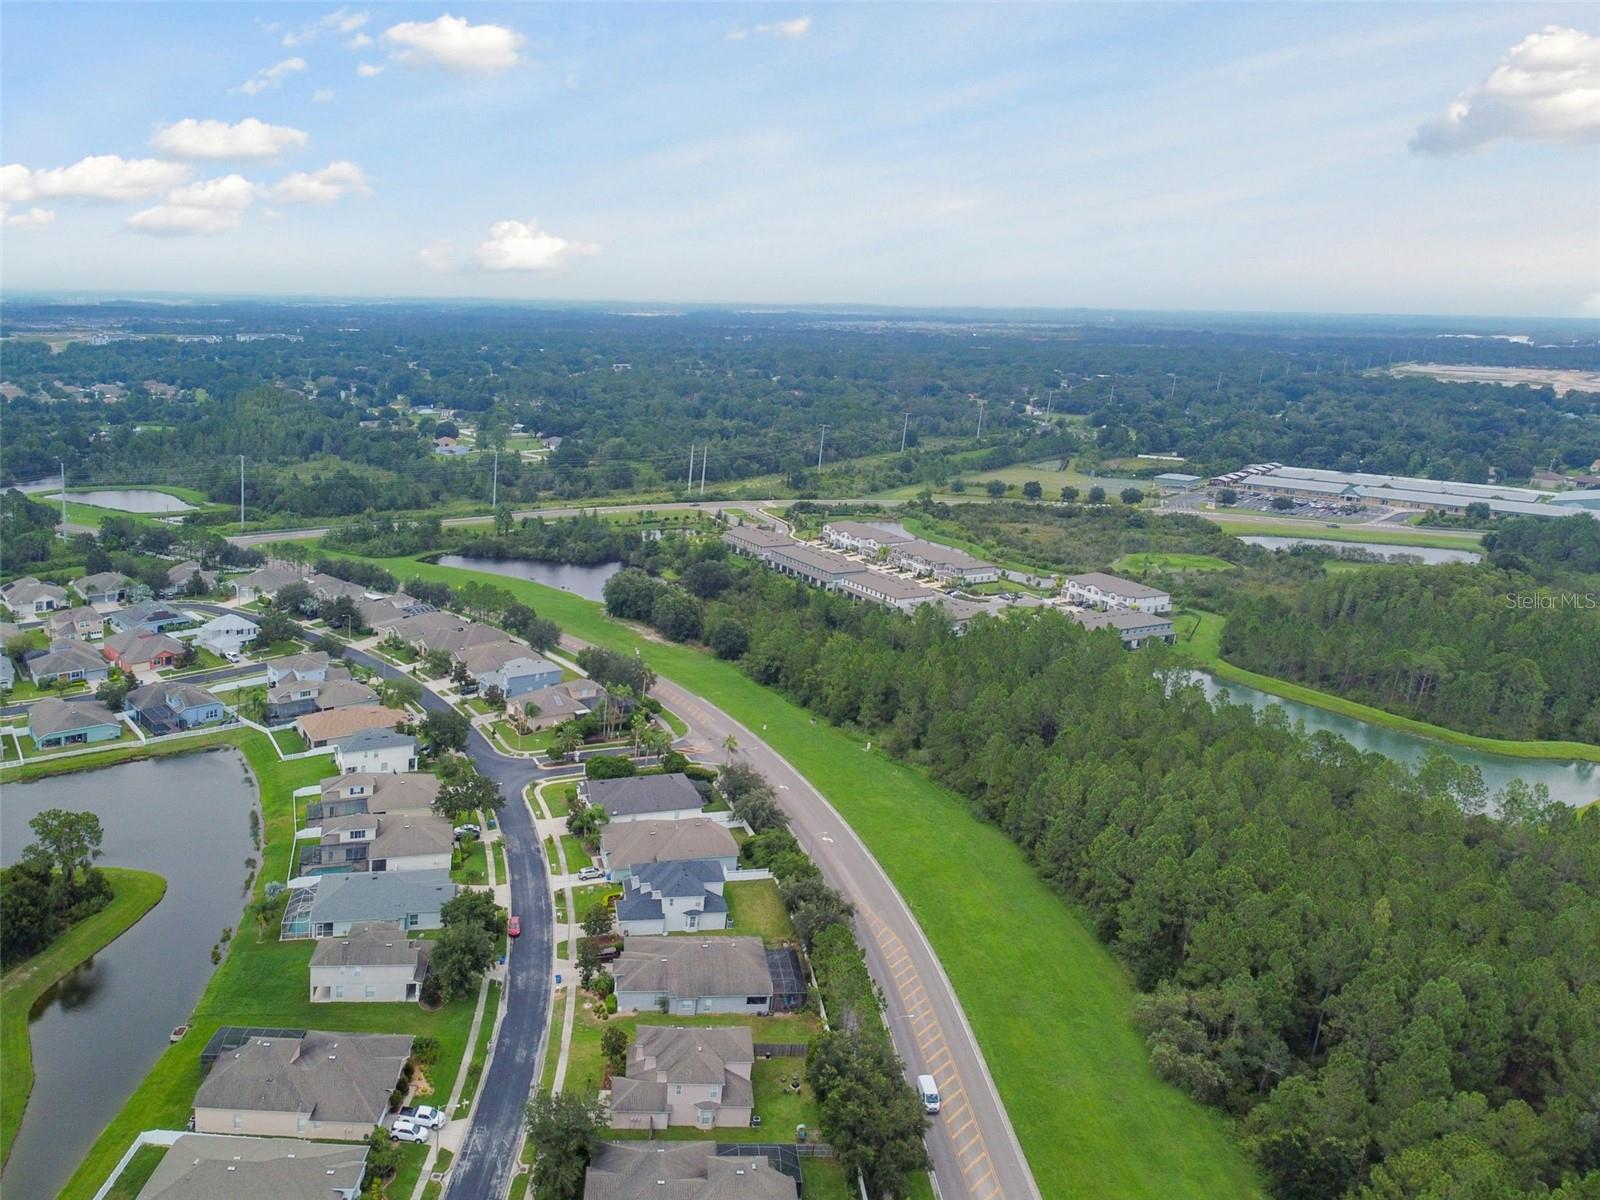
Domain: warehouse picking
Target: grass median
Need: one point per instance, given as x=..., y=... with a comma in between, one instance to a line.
x=1049, y=1004
x=133, y=893
x=263, y=983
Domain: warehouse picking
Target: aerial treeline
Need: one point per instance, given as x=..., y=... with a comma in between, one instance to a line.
x=1391, y=990
x=1546, y=548
x=54, y=884
x=1464, y=646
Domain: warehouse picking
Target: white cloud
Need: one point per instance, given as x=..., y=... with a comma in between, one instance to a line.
x=797, y=27
x=339, y=21
x=248, y=138
x=1546, y=89
x=33, y=218
x=98, y=177
x=523, y=246
x=270, y=77
x=360, y=41
x=323, y=95
x=368, y=70
x=334, y=181
x=455, y=44
x=437, y=256
x=210, y=206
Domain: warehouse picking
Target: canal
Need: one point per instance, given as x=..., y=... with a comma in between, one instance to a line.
x=98, y=1032
x=586, y=581
x=1431, y=555
x=1570, y=782
x=128, y=500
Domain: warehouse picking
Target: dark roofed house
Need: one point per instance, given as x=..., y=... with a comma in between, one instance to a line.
x=1099, y=590
x=693, y=977
x=755, y=540
x=1133, y=627
x=377, y=751
x=168, y=707
x=308, y=664
x=682, y=1171
x=626, y=846
x=333, y=905
x=67, y=662
x=658, y=797
x=200, y=1167
x=27, y=597
x=56, y=722
x=332, y=1086
x=673, y=897
x=151, y=616
x=180, y=576
x=373, y=963
x=103, y=587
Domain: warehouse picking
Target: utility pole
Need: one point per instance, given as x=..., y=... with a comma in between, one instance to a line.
x=1262, y=374
x=494, y=488
x=982, y=404
x=63, y=463
x=691, y=465
x=1219, y=382
x=905, y=427
x=1049, y=401
x=822, y=439
x=705, y=456
x=241, y=493
x=1172, y=387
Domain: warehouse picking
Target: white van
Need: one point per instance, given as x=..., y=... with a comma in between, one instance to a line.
x=929, y=1091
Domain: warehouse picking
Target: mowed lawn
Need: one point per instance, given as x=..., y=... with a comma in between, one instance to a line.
x=264, y=983
x=1160, y=560
x=133, y=893
x=1049, y=1004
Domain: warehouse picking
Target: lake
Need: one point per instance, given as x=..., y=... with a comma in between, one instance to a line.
x=98, y=1032
x=1428, y=554
x=130, y=500
x=1570, y=782
x=585, y=581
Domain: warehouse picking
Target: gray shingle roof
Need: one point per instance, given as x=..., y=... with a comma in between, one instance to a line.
x=65, y=657
x=373, y=739
x=249, y=1168
x=644, y=794
x=329, y=1076
x=1116, y=585
x=660, y=841
x=53, y=715
x=681, y=1171
x=380, y=896
x=369, y=944
x=720, y=966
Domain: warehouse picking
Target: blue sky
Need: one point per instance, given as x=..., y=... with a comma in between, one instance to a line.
x=1207, y=156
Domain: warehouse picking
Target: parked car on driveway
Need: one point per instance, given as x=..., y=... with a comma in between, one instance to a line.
x=591, y=873
x=404, y=1129
x=467, y=832
x=514, y=926
x=424, y=1115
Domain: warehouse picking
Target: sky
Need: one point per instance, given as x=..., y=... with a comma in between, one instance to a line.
x=1420, y=158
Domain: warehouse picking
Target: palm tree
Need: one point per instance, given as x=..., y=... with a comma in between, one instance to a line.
x=656, y=741
x=730, y=744
x=565, y=742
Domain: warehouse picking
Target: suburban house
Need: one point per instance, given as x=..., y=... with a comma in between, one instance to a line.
x=415, y=631
x=8, y=672
x=312, y=664
x=859, y=537
x=410, y=841
x=28, y=597
x=346, y=795
x=696, y=1077
x=150, y=616
x=641, y=797
x=890, y=590
x=379, y=614
x=325, y=728
x=330, y=587
x=181, y=575
x=331, y=1086
x=137, y=650
x=960, y=611
x=57, y=722
x=373, y=962
x=509, y=666
x=1099, y=590
x=682, y=1171
x=103, y=587
x=754, y=541
x=264, y=582
x=81, y=624
x=202, y=1167
x=631, y=844
x=552, y=705
x=376, y=751
x=169, y=706
x=673, y=897
x=227, y=636
x=67, y=662
x=944, y=563
x=456, y=642
x=823, y=568
x=294, y=697
x=333, y=905
x=693, y=977
x=1134, y=628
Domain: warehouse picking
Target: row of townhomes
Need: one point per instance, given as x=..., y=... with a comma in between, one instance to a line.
x=882, y=563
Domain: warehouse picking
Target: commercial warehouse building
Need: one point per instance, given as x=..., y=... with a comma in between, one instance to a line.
x=1404, y=492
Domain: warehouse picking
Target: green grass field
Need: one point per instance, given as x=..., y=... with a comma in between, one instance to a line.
x=137, y=1173
x=1157, y=560
x=1049, y=1004
x=1248, y=524
x=133, y=893
x=757, y=911
x=480, y=1051
x=1199, y=637
x=264, y=983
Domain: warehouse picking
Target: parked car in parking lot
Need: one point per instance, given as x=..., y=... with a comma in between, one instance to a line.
x=404, y=1129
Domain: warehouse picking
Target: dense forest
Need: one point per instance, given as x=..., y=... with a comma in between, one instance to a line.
x=329, y=425
x=1461, y=646
x=1395, y=994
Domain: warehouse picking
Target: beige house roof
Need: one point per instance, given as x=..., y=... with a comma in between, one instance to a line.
x=681, y=1171
x=336, y=1077
x=250, y=1168
x=678, y=966
x=376, y=944
x=409, y=791
x=341, y=722
x=633, y=842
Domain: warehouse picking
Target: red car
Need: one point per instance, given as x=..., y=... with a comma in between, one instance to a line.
x=514, y=926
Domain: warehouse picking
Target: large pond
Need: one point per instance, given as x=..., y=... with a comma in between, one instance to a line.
x=131, y=500
x=587, y=582
x=97, y=1033
x=1570, y=782
x=1428, y=554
